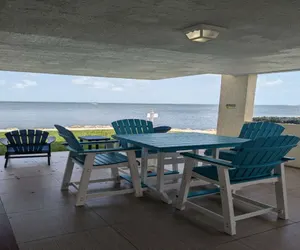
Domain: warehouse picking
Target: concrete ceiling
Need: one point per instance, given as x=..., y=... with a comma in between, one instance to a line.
x=143, y=39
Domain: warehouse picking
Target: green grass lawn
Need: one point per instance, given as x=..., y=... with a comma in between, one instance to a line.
x=56, y=146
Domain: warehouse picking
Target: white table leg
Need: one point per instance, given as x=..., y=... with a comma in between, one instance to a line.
x=160, y=178
x=133, y=166
x=144, y=165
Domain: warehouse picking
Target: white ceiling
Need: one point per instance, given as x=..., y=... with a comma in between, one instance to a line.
x=144, y=39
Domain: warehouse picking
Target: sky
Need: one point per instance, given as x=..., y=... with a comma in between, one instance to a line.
x=272, y=89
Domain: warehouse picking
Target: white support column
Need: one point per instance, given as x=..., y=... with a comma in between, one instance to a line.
x=236, y=103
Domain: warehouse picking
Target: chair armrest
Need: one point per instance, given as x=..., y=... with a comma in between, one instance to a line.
x=161, y=129
x=51, y=139
x=284, y=159
x=4, y=141
x=93, y=142
x=99, y=142
x=105, y=151
x=208, y=159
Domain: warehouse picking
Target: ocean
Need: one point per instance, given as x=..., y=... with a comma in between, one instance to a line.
x=45, y=115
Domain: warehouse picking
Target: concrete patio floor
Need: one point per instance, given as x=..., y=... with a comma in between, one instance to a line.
x=35, y=214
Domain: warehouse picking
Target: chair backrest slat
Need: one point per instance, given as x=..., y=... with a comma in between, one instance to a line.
x=257, y=158
x=30, y=133
x=138, y=125
x=127, y=127
x=132, y=125
x=14, y=141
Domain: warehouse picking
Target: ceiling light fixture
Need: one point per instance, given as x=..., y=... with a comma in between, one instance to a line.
x=202, y=32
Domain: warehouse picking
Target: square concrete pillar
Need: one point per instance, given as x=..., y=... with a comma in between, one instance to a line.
x=236, y=103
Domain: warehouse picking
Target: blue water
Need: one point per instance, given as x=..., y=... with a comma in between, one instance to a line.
x=44, y=115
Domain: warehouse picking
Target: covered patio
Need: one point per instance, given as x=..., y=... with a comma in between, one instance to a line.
x=35, y=214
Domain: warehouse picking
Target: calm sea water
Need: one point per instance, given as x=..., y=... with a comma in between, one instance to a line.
x=44, y=115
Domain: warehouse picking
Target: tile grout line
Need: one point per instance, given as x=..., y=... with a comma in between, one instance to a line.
x=113, y=228
x=123, y=236
x=9, y=224
x=271, y=229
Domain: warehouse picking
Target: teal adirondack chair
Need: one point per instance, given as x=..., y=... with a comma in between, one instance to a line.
x=251, y=131
x=132, y=126
x=97, y=159
x=258, y=161
x=27, y=143
x=137, y=126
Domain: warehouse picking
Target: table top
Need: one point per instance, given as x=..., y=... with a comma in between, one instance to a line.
x=93, y=138
x=172, y=142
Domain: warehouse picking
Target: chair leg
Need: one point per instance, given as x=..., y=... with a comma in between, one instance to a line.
x=49, y=159
x=115, y=175
x=185, y=184
x=281, y=193
x=136, y=180
x=227, y=201
x=85, y=179
x=6, y=160
x=68, y=173
x=175, y=165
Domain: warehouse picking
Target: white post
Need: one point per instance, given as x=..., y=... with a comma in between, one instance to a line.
x=151, y=116
x=236, y=103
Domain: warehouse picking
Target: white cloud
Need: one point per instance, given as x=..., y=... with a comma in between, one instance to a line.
x=31, y=74
x=81, y=80
x=105, y=84
x=117, y=89
x=267, y=82
x=24, y=84
x=274, y=82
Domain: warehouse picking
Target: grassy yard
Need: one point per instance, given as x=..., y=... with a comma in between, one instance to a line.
x=56, y=146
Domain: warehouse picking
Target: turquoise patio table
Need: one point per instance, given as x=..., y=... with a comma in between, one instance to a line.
x=174, y=142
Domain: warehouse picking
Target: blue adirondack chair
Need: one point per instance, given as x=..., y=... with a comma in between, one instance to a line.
x=26, y=144
x=251, y=131
x=258, y=161
x=97, y=159
x=137, y=126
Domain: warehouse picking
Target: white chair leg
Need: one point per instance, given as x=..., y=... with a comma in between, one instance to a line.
x=67, y=174
x=281, y=193
x=85, y=179
x=185, y=183
x=115, y=175
x=135, y=178
x=215, y=153
x=175, y=164
x=227, y=201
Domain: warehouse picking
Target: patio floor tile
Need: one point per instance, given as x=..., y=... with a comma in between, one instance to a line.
x=102, y=238
x=35, y=212
x=285, y=238
x=45, y=223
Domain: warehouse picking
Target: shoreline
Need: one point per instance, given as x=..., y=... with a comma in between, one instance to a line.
x=87, y=127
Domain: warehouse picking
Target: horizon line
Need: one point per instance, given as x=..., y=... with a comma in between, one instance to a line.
x=141, y=103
